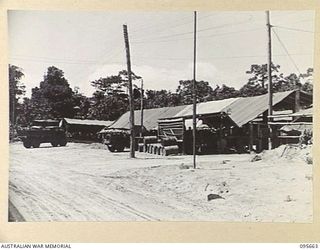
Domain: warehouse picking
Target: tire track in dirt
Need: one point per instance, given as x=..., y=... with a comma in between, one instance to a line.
x=51, y=210
x=100, y=199
x=127, y=208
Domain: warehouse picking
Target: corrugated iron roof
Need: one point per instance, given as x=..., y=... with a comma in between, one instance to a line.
x=245, y=109
x=88, y=122
x=150, y=117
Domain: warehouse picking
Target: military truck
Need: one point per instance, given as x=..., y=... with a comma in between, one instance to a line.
x=115, y=139
x=43, y=131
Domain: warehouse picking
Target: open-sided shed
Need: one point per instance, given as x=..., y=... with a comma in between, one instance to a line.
x=235, y=124
x=84, y=130
x=150, y=118
x=292, y=126
x=229, y=125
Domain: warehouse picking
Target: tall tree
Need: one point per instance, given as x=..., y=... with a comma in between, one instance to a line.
x=307, y=81
x=257, y=82
x=161, y=98
x=185, y=90
x=259, y=74
x=224, y=92
x=110, y=100
x=54, y=97
x=82, y=104
x=16, y=91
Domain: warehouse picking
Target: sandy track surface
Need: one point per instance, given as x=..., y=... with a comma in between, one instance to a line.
x=85, y=182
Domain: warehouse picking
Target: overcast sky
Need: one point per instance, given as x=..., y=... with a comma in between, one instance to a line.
x=89, y=45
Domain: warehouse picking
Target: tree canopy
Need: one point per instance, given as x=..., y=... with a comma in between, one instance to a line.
x=16, y=91
x=54, y=98
x=111, y=100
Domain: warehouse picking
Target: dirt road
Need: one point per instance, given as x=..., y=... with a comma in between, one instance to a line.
x=85, y=182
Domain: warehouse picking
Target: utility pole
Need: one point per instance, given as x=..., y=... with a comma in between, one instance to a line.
x=132, y=141
x=194, y=115
x=269, y=79
x=141, y=132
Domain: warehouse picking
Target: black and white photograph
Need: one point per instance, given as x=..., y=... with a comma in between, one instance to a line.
x=200, y=116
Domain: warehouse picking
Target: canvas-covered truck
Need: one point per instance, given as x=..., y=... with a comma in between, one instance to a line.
x=115, y=139
x=43, y=131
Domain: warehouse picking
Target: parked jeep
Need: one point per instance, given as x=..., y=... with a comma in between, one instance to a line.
x=43, y=131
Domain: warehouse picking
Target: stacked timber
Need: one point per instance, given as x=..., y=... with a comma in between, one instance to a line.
x=141, y=147
x=168, y=141
x=170, y=150
x=150, y=139
x=168, y=146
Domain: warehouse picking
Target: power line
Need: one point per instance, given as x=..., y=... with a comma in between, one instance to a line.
x=201, y=30
x=174, y=35
x=47, y=59
x=165, y=23
x=167, y=26
x=189, y=38
x=294, y=29
x=221, y=57
x=302, y=21
x=58, y=62
x=285, y=49
x=231, y=32
x=224, y=25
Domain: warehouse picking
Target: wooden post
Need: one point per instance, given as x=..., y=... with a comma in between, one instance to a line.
x=141, y=131
x=259, y=149
x=269, y=79
x=184, y=151
x=194, y=91
x=132, y=134
x=297, y=101
x=251, y=137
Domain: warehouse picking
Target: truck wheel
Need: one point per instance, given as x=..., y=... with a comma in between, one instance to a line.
x=120, y=148
x=27, y=144
x=35, y=144
x=63, y=143
x=54, y=144
x=111, y=148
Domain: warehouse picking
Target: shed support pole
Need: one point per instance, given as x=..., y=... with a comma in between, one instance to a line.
x=259, y=149
x=251, y=137
x=194, y=114
x=297, y=101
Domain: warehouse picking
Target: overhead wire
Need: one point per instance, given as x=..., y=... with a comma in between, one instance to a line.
x=165, y=23
x=176, y=36
x=219, y=57
x=294, y=29
x=190, y=32
x=203, y=36
x=285, y=49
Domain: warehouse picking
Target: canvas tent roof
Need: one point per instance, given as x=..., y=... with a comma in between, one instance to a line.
x=150, y=117
x=297, y=127
x=210, y=107
x=88, y=122
x=246, y=109
x=304, y=112
x=241, y=110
